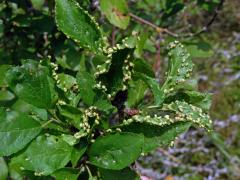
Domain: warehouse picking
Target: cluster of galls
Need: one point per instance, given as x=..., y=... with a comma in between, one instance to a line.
x=55, y=75
x=100, y=86
x=91, y=112
x=103, y=68
x=188, y=112
x=127, y=72
x=56, y=78
x=183, y=112
x=155, y=120
x=195, y=115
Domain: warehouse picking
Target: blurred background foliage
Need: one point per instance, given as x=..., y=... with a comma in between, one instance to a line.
x=209, y=29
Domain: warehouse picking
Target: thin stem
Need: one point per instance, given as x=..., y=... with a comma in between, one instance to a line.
x=48, y=122
x=89, y=172
x=158, y=29
x=167, y=31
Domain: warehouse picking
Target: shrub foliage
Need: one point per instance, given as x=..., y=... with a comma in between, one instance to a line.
x=80, y=110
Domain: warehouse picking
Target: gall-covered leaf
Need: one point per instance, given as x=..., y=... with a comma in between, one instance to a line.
x=77, y=24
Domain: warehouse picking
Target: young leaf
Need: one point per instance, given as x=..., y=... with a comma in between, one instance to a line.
x=16, y=131
x=180, y=66
x=141, y=66
x=116, y=12
x=201, y=100
x=190, y=113
x=31, y=83
x=77, y=24
x=154, y=87
x=136, y=92
x=116, y=151
x=44, y=155
x=71, y=114
x=89, y=95
x=66, y=81
x=112, y=78
x=86, y=84
x=199, y=49
x=155, y=136
x=68, y=55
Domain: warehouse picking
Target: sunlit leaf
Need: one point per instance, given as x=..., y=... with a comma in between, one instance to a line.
x=16, y=131
x=116, y=151
x=77, y=24
x=44, y=155
x=32, y=84
x=179, y=68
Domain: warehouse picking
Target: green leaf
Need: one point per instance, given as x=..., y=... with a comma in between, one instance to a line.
x=22, y=106
x=89, y=93
x=2, y=113
x=66, y=81
x=127, y=173
x=77, y=24
x=140, y=45
x=155, y=136
x=141, y=66
x=101, y=102
x=71, y=114
x=199, y=49
x=66, y=174
x=86, y=84
x=116, y=151
x=38, y=4
x=136, y=92
x=3, y=70
x=190, y=113
x=78, y=151
x=71, y=140
x=3, y=169
x=154, y=87
x=44, y=155
x=201, y=100
x=6, y=95
x=177, y=111
x=116, y=12
x=68, y=55
x=162, y=126
x=16, y=131
x=31, y=83
x=179, y=68
x=112, y=79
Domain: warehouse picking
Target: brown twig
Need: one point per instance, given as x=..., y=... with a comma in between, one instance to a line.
x=208, y=24
x=158, y=29
x=165, y=30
